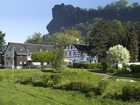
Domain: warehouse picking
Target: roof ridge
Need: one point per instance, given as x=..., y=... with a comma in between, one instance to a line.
x=29, y=44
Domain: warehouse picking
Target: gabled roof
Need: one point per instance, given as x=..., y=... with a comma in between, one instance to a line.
x=24, y=49
x=82, y=47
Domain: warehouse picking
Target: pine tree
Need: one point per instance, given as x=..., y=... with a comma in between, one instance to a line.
x=133, y=46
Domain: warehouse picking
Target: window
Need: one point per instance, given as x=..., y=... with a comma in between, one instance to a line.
x=74, y=53
x=11, y=63
x=69, y=53
x=20, y=49
x=20, y=62
x=24, y=62
x=6, y=62
x=71, y=47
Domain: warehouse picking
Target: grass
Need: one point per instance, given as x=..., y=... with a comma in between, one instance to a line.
x=12, y=93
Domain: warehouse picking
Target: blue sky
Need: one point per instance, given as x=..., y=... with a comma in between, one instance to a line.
x=21, y=18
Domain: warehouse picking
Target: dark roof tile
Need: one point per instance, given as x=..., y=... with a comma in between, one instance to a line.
x=23, y=49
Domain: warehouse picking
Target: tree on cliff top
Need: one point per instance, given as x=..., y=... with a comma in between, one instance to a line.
x=36, y=38
x=65, y=37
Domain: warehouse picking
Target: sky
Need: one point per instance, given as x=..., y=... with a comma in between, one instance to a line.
x=20, y=19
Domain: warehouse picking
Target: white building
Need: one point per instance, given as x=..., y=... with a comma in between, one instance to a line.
x=79, y=53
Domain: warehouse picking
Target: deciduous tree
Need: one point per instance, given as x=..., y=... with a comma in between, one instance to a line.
x=57, y=60
x=41, y=57
x=118, y=55
x=65, y=37
x=36, y=38
x=2, y=41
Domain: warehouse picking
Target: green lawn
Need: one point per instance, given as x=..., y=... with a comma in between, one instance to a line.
x=12, y=93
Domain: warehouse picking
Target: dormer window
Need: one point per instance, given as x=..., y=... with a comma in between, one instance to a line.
x=21, y=49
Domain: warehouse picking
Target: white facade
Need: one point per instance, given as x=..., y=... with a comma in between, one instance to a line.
x=74, y=55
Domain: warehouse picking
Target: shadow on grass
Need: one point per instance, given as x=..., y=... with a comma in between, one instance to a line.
x=50, y=70
x=120, y=74
x=47, y=70
x=131, y=75
x=99, y=71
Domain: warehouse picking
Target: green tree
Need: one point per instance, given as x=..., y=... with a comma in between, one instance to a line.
x=2, y=47
x=41, y=57
x=64, y=38
x=118, y=55
x=133, y=46
x=36, y=38
x=2, y=41
x=117, y=33
x=97, y=38
x=134, y=28
x=106, y=34
x=57, y=58
x=118, y=4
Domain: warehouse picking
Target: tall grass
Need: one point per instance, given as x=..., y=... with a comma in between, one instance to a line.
x=12, y=93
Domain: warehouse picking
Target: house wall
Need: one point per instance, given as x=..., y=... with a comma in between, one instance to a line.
x=20, y=60
x=9, y=58
x=72, y=53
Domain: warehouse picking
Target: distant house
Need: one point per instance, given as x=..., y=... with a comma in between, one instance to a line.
x=79, y=53
x=18, y=55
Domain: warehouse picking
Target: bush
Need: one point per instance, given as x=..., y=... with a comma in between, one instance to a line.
x=41, y=81
x=26, y=81
x=131, y=92
x=135, y=68
x=55, y=78
x=47, y=70
x=113, y=70
x=79, y=86
x=83, y=87
x=97, y=90
x=104, y=66
x=86, y=65
x=90, y=94
x=112, y=95
x=40, y=84
x=102, y=85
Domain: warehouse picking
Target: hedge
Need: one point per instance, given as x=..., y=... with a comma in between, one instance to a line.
x=131, y=93
x=135, y=68
x=86, y=65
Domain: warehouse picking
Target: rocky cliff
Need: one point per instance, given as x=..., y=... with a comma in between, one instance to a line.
x=65, y=16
